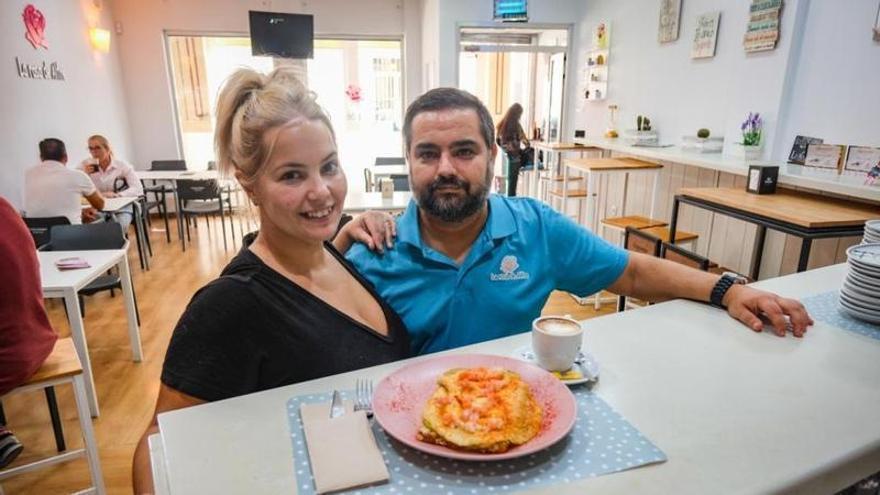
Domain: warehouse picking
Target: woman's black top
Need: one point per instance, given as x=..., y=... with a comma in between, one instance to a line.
x=253, y=329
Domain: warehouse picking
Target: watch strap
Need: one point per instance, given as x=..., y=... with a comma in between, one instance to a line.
x=721, y=287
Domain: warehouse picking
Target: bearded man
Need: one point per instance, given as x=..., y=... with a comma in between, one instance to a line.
x=469, y=266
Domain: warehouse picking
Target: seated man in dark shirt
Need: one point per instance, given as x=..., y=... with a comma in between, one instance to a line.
x=26, y=338
x=288, y=308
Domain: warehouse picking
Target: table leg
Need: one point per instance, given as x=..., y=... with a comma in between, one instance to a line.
x=757, y=252
x=141, y=233
x=654, y=190
x=673, y=222
x=134, y=333
x=592, y=199
x=180, y=219
x=805, y=254
x=77, y=333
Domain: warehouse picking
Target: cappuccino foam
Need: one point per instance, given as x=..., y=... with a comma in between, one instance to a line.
x=558, y=326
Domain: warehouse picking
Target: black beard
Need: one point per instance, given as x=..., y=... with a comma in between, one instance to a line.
x=452, y=208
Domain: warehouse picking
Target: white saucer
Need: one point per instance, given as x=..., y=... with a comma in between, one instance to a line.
x=585, y=362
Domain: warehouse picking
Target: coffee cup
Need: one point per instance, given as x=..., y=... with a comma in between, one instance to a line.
x=387, y=187
x=556, y=342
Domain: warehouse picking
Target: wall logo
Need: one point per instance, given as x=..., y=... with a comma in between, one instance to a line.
x=509, y=267
x=35, y=27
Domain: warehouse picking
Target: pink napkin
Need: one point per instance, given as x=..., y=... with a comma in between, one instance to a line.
x=342, y=450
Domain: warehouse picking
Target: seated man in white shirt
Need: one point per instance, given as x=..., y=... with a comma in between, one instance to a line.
x=113, y=177
x=53, y=190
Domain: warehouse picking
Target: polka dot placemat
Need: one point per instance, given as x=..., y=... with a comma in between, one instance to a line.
x=824, y=307
x=601, y=442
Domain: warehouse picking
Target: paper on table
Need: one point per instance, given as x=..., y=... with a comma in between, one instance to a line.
x=342, y=450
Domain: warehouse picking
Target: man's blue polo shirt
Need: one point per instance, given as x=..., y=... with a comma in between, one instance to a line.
x=524, y=252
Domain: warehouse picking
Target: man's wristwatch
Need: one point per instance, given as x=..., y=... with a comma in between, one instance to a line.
x=727, y=280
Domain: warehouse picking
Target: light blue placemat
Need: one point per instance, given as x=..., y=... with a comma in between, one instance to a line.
x=601, y=442
x=824, y=307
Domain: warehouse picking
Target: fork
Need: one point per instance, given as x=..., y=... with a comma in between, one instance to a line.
x=364, y=396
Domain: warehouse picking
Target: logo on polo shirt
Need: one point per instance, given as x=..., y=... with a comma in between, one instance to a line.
x=509, y=266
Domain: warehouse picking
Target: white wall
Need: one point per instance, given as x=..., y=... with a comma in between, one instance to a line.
x=680, y=94
x=89, y=100
x=834, y=85
x=145, y=66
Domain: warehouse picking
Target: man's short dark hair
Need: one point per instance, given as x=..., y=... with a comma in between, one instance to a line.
x=445, y=99
x=52, y=149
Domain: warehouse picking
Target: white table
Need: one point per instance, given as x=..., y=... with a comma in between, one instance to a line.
x=735, y=411
x=360, y=201
x=66, y=284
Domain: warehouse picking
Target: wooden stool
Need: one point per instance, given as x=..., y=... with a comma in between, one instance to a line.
x=578, y=194
x=635, y=221
x=63, y=366
x=681, y=236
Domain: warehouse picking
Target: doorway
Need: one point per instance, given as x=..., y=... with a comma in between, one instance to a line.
x=525, y=64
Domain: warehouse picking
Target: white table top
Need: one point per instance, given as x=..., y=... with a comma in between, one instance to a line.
x=736, y=412
x=118, y=203
x=357, y=201
x=177, y=174
x=791, y=175
x=55, y=281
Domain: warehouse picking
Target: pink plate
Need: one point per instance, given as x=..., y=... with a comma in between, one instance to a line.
x=400, y=397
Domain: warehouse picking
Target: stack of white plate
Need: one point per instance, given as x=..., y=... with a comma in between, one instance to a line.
x=860, y=294
x=872, y=232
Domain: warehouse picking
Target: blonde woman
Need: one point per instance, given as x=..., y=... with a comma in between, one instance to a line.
x=288, y=308
x=112, y=177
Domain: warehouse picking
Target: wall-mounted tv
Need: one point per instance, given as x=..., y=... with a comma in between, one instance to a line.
x=511, y=10
x=282, y=35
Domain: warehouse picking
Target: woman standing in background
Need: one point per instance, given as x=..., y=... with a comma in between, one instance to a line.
x=514, y=142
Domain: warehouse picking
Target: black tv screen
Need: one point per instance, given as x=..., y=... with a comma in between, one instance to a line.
x=282, y=35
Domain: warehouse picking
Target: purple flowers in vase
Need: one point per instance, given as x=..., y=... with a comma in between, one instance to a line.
x=751, y=129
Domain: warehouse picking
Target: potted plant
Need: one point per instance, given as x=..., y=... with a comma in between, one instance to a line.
x=752, y=127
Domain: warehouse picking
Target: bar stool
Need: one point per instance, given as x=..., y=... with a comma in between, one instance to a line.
x=63, y=366
x=657, y=228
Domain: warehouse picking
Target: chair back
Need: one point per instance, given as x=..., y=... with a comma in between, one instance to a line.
x=401, y=182
x=39, y=227
x=198, y=189
x=368, y=180
x=641, y=242
x=168, y=165
x=389, y=160
x=86, y=237
x=683, y=256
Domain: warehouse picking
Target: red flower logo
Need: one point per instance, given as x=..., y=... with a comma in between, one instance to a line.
x=354, y=92
x=35, y=25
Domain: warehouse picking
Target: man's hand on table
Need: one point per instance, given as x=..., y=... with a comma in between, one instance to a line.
x=748, y=304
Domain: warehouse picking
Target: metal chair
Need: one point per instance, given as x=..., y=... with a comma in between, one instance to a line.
x=39, y=227
x=638, y=241
x=389, y=160
x=203, y=197
x=160, y=192
x=401, y=182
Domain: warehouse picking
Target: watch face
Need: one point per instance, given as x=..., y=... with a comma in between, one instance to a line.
x=737, y=278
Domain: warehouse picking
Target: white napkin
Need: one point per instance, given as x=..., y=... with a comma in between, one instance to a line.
x=342, y=450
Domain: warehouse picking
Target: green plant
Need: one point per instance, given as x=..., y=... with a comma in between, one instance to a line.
x=703, y=133
x=751, y=129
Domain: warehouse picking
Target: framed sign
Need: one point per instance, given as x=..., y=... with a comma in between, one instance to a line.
x=706, y=35
x=861, y=158
x=670, y=13
x=825, y=156
x=799, y=149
